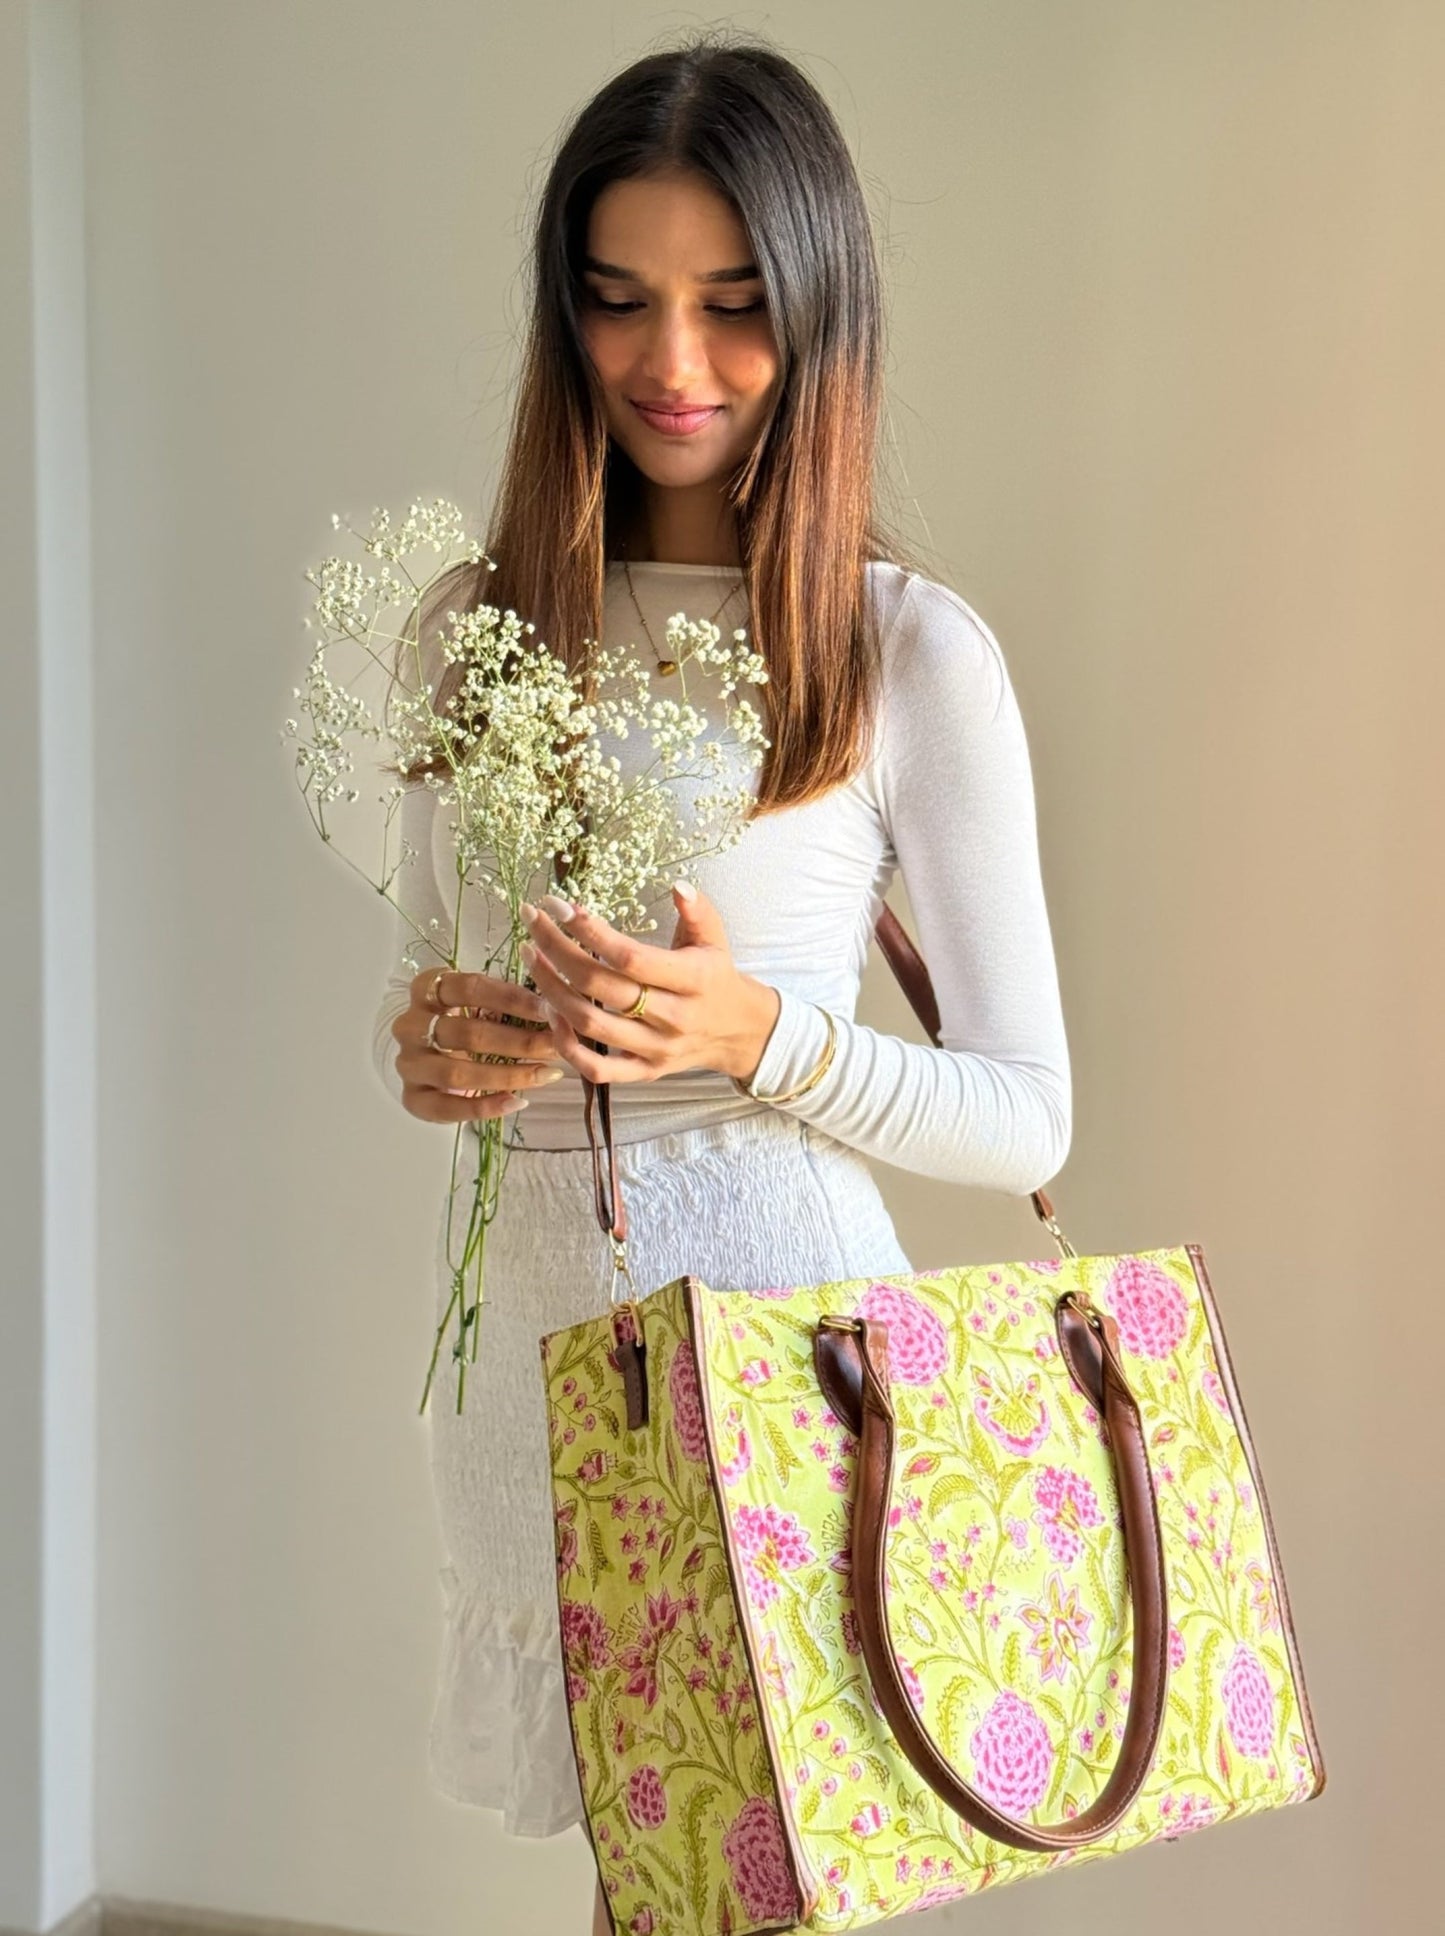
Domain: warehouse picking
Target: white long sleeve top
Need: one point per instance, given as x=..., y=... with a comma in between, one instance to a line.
x=947, y=797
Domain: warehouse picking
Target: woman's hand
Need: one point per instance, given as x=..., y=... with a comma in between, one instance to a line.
x=443, y=1083
x=702, y=1012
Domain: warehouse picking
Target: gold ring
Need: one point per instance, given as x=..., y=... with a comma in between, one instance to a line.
x=433, y=994
x=639, y=1005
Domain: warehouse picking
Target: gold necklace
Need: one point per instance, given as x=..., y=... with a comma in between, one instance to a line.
x=666, y=666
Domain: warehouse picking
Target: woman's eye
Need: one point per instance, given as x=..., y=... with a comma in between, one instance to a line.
x=717, y=309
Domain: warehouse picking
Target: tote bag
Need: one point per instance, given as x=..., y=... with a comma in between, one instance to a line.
x=878, y=1593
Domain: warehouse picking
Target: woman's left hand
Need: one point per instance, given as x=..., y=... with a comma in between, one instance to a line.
x=702, y=1012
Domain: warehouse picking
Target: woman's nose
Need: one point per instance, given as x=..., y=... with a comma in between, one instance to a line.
x=673, y=353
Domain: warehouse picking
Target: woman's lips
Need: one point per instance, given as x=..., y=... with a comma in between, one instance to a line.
x=676, y=423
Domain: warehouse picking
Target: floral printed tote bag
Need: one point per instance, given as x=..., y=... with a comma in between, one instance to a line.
x=878, y=1593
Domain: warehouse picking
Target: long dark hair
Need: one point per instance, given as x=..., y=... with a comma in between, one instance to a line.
x=745, y=118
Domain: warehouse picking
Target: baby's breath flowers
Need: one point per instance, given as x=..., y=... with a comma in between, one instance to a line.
x=516, y=753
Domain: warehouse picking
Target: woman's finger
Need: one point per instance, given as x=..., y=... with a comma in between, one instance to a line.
x=587, y=940
x=638, y=1038
x=615, y=1066
x=462, y=1033
x=463, y=988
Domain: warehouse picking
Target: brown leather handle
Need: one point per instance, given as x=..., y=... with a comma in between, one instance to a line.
x=914, y=979
x=851, y=1357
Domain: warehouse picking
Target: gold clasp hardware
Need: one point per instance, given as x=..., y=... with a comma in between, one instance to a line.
x=619, y=1269
x=843, y=1324
x=1086, y=1307
x=1051, y=1224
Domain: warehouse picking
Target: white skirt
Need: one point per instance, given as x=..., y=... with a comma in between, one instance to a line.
x=744, y=1204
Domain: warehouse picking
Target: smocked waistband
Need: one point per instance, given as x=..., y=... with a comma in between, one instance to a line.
x=766, y=1126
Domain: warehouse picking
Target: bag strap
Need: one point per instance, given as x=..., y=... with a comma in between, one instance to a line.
x=913, y=977
x=851, y=1356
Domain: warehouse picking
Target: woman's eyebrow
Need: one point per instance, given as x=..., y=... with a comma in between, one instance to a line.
x=747, y=273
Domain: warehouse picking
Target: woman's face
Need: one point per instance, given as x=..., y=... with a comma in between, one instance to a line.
x=660, y=332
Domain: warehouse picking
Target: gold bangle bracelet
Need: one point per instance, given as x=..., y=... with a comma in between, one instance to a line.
x=816, y=1077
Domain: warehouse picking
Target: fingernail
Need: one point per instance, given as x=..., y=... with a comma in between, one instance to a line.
x=685, y=889
x=559, y=909
x=551, y=1075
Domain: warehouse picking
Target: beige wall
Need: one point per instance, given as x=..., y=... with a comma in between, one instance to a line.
x=1167, y=399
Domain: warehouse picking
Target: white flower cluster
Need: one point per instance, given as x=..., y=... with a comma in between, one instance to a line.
x=517, y=754
x=519, y=743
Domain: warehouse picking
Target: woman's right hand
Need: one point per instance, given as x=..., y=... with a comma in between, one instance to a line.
x=443, y=1084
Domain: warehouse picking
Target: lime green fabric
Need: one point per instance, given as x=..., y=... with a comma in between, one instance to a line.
x=721, y=1710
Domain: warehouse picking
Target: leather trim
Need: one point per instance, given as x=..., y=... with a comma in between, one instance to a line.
x=1079, y=1348
x=1241, y=1423
x=629, y=1357
x=840, y=1377
x=909, y=967
x=808, y=1891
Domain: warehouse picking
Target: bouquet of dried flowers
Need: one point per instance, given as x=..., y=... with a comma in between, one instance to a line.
x=517, y=755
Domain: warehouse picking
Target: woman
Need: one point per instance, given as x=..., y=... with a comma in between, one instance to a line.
x=695, y=431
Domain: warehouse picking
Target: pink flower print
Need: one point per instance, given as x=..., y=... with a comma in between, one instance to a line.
x=1215, y=1390
x=1248, y=1703
x=911, y=1682
x=1012, y=1411
x=639, y=1657
x=775, y=1290
x=755, y=1853
x=1262, y=1597
x=869, y=1819
x=771, y=1543
x=687, y=1402
x=942, y=1892
x=644, y=1923
x=735, y=1449
x=586, y=1645
x=646, y=1797
x=1176, y=1647
x=566, y=1535
x=1066, y=1507
x=850, y=1631
x=1060, y=1626
x=1148, y=1307
x=917, y=1341
x=1018, y=1532
x=1179, y=1815
x=1012, y=1754
x=757, y=1371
